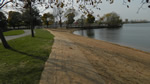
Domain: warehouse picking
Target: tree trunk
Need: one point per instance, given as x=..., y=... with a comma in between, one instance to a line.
x=32, y=30
x=4, y=42
x=31, y=23
x=60, y=22
x=14, y=27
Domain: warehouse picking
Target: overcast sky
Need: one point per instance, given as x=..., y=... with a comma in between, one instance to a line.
x=124, y=12
x=129, y=13
x=118, y=7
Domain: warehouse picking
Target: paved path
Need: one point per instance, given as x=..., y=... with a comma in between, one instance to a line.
x=27, y=32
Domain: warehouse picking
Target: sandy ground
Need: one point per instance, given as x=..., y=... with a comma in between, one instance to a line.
x=80, y=60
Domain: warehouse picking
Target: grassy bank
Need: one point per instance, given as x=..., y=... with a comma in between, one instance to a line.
x=24, y=63
x=13, y=32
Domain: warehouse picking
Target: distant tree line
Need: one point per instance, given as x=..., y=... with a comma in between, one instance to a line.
x=136, y=21
x=108, y=20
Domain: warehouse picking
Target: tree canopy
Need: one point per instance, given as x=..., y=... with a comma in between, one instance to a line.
x=112, y=19
x=90, y=18
x=70, y=18
x=47, y=17
x=35, y=17
x=3, y=21
x=14, y=18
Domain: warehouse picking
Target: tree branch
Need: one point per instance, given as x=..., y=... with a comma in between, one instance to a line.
x=2, y=2
x=2, y=5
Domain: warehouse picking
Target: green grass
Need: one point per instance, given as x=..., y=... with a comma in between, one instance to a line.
x=24, y=63
x=13, y=32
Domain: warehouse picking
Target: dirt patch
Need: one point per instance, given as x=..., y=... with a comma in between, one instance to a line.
x=89, y=61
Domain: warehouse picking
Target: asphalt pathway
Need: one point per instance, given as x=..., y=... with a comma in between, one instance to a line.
x=27, y=32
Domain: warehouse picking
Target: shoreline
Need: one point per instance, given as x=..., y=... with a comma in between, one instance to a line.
x=81, y=59
x=125, y=46
x=122, y=45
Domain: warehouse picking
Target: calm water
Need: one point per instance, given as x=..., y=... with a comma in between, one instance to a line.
x=132, y=35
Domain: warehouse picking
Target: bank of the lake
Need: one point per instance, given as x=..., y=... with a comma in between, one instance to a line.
x=78, y=59
x=131, y=35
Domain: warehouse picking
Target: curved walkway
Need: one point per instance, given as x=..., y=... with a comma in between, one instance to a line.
x=68, y=65
x=80, y=60
x=27, y=32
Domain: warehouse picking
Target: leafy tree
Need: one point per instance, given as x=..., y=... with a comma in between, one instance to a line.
x=34, y=17
x=3, y=26
x=47, y=16
x=70, y=14
x=90, y=18
x=3, y=22
x=14, y=19
x=112, y=19
x=26, y=17
x=70, y=18
x=31, y=17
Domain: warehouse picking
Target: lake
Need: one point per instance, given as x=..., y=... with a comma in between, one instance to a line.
x=131, y=35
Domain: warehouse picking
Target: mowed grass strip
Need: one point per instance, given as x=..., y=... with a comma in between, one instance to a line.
x=13, y=32
x=24, y=63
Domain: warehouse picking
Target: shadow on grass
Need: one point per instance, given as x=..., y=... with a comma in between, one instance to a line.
x=43, y=37
x=31, y=55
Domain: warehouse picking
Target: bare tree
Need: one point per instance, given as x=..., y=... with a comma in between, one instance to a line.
x=58, y=14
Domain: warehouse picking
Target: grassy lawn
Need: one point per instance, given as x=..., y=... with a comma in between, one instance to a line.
x=24, y=63
x=13, y=32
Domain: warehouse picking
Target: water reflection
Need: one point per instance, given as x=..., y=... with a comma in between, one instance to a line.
x=133, y=35
x=112, y=35
x=90, y=33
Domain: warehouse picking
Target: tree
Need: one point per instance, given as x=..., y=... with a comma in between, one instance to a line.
x=112, y=19
x=3, y=25
x=33, y=17
x=70, y=18
x=36, y=17
x=48, y=19
x=14, y=19
x=58, y=14
x=26, y=17
x=90, y=18
x=126, y=20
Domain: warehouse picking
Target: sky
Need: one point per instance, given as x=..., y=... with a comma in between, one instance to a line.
x=124, y=12
x=118, y=7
